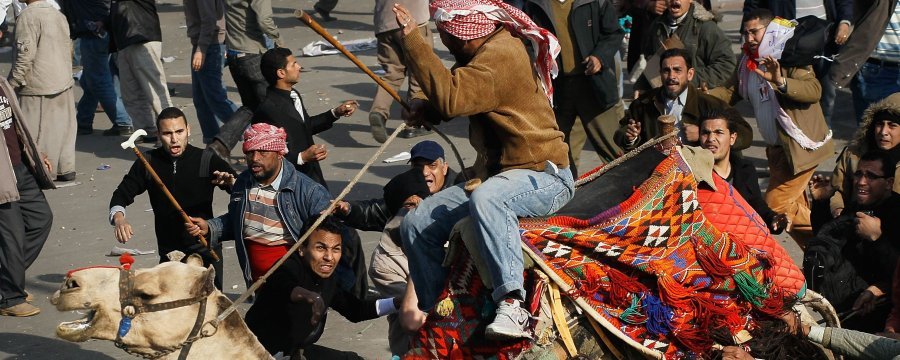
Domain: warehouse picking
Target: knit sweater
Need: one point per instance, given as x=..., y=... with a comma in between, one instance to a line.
x=512, y=125
x=181, y=176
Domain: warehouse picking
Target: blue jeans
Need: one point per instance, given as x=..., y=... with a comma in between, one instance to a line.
x=210, y=96
x=829, y=91
x=495, y=207
x=98, y=85
x=872, y=83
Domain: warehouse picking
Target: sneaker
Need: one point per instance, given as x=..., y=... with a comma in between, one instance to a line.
x=325, y=15
x=21, y=310
x=85, y=131
x=118, y=130
x=412, y=132
x=150, y=139
x=377, y=121
x=511, y=322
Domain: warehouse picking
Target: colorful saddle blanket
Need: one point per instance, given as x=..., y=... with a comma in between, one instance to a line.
x=657, y=270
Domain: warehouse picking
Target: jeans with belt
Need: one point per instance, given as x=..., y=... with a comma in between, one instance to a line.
x=98, y=84
x=495, y=208
x=209, y=94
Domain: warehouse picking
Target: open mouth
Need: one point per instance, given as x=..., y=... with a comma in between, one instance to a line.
x=76, y=330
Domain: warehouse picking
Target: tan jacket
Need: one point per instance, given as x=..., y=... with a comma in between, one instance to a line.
x=43, y=55
x=801, y=103
x=511, y=123
x=9, y=191
x=842, y=177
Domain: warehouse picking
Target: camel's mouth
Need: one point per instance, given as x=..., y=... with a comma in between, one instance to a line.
x=78, y=330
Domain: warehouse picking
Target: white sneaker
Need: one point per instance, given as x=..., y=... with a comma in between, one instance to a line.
x=511, y=322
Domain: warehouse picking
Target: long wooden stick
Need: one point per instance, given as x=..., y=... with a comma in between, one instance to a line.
x=306, y=19
x=174, y=202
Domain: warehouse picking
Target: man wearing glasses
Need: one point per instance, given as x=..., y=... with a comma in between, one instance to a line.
x=866, y=236
x=785, y=101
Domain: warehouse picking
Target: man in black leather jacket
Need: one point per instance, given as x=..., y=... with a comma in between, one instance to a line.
x=137, y=38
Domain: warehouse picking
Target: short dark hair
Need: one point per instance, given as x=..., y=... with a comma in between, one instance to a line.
x=888, y=163
x=762, y=14
x=730, y=115
x=684, y=54
x=273, y=60
x=330, y=224
x=170, y=113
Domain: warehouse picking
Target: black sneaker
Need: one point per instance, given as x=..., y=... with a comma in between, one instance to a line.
x=149, y=139
x=118, y=130
x=412, y=132
x=85, y=131
x=325, y=15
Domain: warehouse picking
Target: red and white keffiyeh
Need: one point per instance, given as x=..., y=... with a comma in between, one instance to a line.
x=472, y=19
x=265, y=137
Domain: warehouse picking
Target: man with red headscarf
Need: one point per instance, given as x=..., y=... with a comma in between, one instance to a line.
x=522, y=158
x=271, y=206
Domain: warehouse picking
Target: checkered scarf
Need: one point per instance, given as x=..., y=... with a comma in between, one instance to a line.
x=472, y=19
x=265, y=137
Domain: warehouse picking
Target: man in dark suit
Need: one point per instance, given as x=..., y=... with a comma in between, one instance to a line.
x=283, y=107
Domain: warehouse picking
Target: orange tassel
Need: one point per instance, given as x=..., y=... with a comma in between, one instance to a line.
x=621, y=287
x=711, y=262
x=673, y=293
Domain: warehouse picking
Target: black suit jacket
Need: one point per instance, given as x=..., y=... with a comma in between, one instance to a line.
x=278, y=109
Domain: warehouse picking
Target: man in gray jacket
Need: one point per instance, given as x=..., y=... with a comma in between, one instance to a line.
x=25, y=216
x=41, y=75
x=692, y=27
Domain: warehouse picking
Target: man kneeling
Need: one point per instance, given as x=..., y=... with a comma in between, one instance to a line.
x=290, y=311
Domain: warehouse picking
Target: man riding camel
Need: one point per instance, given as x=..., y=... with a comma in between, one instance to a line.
x=522, y=157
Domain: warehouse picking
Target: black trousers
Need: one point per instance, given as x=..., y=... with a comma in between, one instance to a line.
x=24, y=227
x=248, y=78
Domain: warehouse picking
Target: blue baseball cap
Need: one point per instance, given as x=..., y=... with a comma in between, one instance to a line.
x=428, y=150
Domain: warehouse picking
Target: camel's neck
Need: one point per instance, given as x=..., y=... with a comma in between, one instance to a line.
x=232, y=339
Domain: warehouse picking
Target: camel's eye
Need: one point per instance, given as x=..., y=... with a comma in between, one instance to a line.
x=145, y=296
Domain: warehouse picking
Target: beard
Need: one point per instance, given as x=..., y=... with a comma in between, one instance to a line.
x=264, y=174
x=672, y=94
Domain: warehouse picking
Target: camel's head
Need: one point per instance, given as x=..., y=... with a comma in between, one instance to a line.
x=96, y=290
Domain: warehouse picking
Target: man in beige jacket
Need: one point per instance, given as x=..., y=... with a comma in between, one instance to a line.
x=41, y=75
x=785, y=101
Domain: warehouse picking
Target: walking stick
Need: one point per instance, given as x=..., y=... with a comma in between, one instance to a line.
x=130, y=144
x=306, y=19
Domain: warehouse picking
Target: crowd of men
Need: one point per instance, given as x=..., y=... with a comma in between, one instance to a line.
x=526, y=73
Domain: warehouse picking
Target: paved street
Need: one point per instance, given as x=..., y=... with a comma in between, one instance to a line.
x=81, y=233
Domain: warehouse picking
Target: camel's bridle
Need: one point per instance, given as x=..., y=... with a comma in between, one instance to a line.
x=133, y=305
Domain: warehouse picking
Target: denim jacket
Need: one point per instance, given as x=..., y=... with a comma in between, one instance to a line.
x=298, y=199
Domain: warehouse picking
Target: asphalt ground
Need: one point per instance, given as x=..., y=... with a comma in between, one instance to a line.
x=82, y=236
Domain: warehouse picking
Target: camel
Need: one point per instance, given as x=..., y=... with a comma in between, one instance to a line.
x=160, y=332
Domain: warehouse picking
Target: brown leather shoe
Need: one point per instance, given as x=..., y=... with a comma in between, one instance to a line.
x=21, y=310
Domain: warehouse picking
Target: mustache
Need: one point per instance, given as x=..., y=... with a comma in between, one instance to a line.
x=672, y=82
